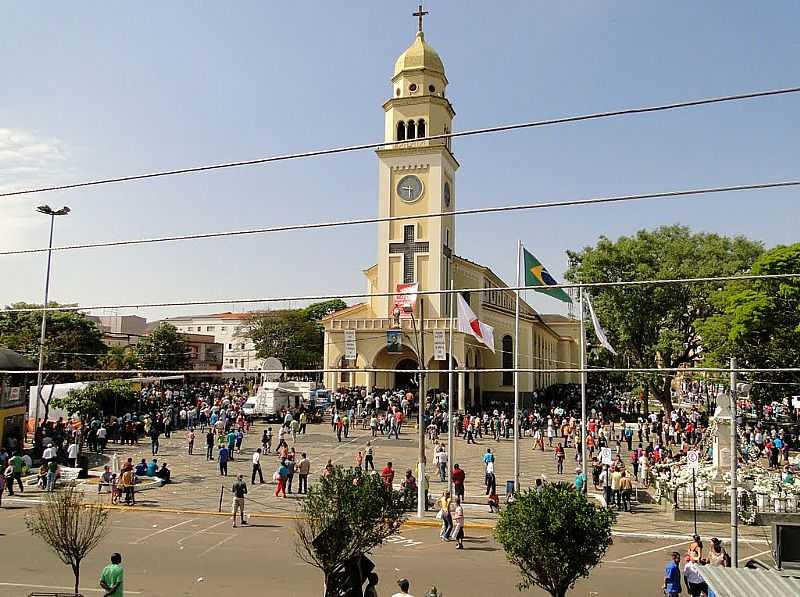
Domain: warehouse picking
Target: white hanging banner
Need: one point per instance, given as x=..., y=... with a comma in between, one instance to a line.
x=439, y=351
x=350, y=345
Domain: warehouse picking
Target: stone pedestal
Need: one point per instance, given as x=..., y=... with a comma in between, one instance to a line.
x=721, y=457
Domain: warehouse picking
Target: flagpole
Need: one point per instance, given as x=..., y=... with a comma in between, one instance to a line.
x=450, y=396
x=516, y=373
x=584, y=420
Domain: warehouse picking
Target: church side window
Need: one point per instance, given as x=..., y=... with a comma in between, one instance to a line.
x=508, y=361
x=401, y=131
x=420, y=128
x=411, y=130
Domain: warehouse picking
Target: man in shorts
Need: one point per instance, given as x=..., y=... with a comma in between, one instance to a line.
x=239, y=490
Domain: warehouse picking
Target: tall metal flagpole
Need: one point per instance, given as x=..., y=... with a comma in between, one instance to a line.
x=734, y=480
x=421, y=496
x=450, y=456
x=584, y=419
x=516, y=373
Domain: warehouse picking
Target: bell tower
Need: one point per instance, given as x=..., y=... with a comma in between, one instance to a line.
x=416, y=178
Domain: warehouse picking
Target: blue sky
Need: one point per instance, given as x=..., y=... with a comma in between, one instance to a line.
x=91, y=90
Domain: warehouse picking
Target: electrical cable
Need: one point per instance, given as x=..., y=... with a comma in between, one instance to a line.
x=389, y=144
x=457, y=212
x=324, y=297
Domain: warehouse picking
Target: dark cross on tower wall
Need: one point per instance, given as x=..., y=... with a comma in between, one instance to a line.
x=419, y=14
x=409, y=249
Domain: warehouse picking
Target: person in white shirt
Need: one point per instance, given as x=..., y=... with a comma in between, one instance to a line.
x=72, y=454
x=695, y=585
x=404, y=585
x=257, y=467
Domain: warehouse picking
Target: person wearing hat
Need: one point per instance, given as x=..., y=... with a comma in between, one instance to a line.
x=580, y=480
x=404, y=585
x=718, y=556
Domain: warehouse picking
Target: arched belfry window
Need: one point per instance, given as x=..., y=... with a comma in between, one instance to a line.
x=411, y=130
x=401, y=131
x=420, y=128
x=508, y=360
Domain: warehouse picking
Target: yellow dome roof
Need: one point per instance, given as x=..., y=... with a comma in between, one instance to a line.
x=418, y=56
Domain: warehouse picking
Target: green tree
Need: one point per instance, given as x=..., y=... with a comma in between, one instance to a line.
x=554, y=537
x=119, y=357
x=317, y=311
x=655, y=326
x=162, y=349
x=288, y=335
x=758, y=321
x=343, y=518
x=97, y=398
x=73, y=341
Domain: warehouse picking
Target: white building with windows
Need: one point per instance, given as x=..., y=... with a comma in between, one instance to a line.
x=238, y=351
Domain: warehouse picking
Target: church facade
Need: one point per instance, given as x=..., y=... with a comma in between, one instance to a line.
x=416, y=243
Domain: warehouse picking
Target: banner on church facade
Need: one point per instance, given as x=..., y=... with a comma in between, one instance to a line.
x=350, y=345
x=439, y=350
x=405, y=300
x=394, y=341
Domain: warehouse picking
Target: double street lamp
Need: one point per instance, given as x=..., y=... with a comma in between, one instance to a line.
x=48, y=211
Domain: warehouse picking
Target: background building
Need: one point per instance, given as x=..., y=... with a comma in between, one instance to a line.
x=238, y=352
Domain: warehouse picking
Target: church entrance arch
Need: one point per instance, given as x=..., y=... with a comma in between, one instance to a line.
x=405, y=375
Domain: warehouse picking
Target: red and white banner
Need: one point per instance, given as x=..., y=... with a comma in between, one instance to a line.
x=469, y=324
x=405, y=300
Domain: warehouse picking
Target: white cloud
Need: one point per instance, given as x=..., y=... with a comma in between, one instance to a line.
x=26, y=161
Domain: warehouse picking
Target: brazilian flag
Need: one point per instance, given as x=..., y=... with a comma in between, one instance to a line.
x=537, y=275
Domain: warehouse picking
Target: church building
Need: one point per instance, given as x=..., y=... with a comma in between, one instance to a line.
x=417, y=178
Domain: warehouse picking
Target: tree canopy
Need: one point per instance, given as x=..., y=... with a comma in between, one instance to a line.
x=163, y=349
x=758, y=321
x=97, y=398
x=73, y=341
x=294, y=336
x=344, y=517
x=554, y=537
x=656, y=326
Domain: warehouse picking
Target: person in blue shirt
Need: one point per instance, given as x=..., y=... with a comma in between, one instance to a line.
x=672, y=576
x=141, y=468
x=152, y=467
x=223, y=461
x=580, y=480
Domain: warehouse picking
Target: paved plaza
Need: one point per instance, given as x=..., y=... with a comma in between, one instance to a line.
x=195, y=554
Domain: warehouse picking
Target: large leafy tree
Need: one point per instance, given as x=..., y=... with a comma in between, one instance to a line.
x=554, y=537
x=759, y=322
x=162, y=349
x=120, y=357
x=73, y=341
x=294, y=336
x=96, y=399
x=345, y=517
x=656, y=326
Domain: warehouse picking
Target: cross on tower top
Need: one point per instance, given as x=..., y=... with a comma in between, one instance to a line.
x=419, y=14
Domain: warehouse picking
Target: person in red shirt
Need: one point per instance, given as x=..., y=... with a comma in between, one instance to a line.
x=387, y=474
x=458, y=476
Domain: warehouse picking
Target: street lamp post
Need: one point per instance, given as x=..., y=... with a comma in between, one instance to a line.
x=48, y=211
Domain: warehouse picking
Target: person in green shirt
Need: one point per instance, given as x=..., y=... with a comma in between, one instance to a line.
x=17, y=462
x=111, y=577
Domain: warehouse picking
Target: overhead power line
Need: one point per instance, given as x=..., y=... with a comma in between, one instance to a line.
x=363, y=146
x=324, y=297
x=379, y=370
x=461, y=212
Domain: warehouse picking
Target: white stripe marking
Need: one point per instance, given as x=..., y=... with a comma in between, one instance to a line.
x=162, y=531
x=83, y=589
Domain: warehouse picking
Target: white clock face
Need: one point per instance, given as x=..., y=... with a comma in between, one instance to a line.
x=409, y=188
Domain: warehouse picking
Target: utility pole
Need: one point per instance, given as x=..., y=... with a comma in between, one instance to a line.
x=421, y=505
x=734, y=466
x=48, y=211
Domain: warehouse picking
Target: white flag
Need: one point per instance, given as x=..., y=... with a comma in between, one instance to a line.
x=469, y=324
x=598, y=330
